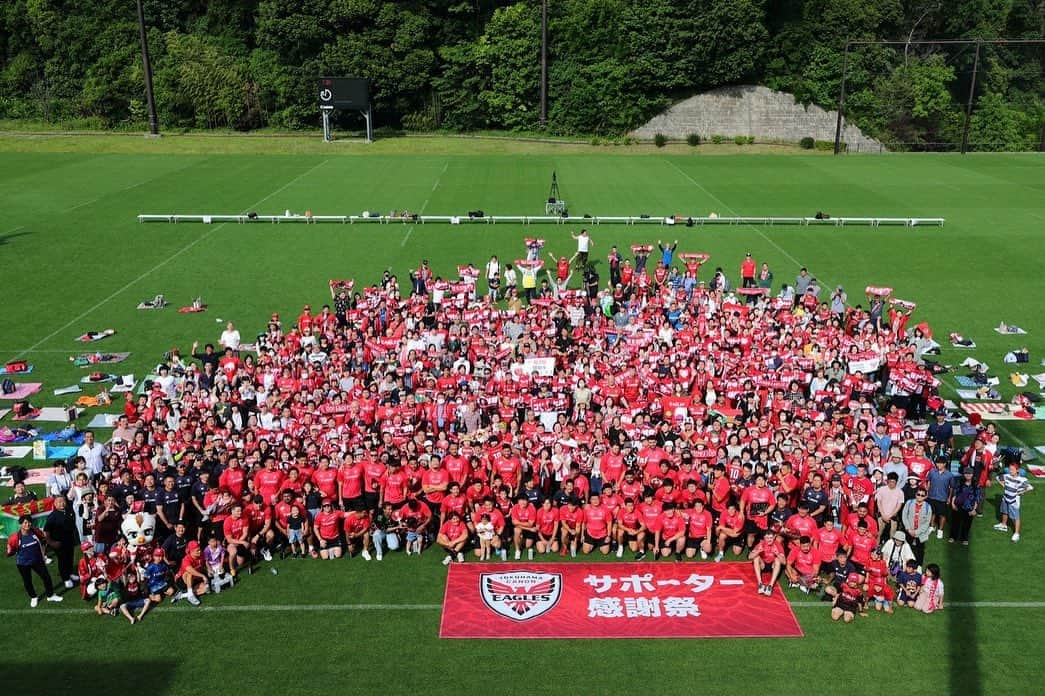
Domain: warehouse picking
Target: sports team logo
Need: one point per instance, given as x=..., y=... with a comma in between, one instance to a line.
x=520, y=595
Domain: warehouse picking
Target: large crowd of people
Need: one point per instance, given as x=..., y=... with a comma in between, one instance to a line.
x=498, y=414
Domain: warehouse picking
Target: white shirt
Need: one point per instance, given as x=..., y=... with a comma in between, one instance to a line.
x=583, y=243
x=493, y=269
x=94, y=457
x=230, y=339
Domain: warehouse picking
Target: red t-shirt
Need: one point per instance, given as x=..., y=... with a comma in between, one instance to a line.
x=351, y=478
x=234, y=528
x=546, y=519
x=862, y=545
x=453, y=530
x=523, y=515
x=326, y=524
x=770, y=552
x=827, y=543
x=805, y=562
x=699, y=524
x=596, y=521
x=671, y=525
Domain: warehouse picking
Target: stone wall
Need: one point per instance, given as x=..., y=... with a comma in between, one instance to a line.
x=750, y=110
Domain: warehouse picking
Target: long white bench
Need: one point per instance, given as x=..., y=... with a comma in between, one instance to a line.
x=175, y=218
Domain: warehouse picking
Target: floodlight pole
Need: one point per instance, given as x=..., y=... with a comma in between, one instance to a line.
x=968, y=104
x=544, y=62
x=154, y=124
x=841, y=100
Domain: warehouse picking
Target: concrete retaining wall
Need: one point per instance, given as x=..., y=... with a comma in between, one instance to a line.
x=751, y=110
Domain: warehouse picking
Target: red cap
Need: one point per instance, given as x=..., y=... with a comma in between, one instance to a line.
x=86, y=546
x=158, y=553
x=193, y=545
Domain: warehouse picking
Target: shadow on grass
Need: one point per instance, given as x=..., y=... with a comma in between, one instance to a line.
x=37, y=676
x=6, y=238
x=964, y=653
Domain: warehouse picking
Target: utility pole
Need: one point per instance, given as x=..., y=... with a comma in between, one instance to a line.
x=154, y=124
x=544, y=62
x=841, y=100
x=968, y=104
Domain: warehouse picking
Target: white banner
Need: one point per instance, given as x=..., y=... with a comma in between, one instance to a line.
x=544, y=367
x=865, y=365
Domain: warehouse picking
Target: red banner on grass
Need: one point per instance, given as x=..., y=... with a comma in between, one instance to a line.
x=611, y=600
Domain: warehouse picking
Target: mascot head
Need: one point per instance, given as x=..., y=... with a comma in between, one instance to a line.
x=138, y=527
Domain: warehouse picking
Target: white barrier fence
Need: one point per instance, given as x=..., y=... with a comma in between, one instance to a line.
x=175, y=218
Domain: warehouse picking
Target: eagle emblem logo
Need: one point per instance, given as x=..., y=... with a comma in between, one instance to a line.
x=520, y=595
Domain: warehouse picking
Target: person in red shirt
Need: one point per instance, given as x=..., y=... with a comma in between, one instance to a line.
x=394, y=486
x=236, y=530
x=233, y=479
x=767, y=557
x=547, y=527
x=828, y=540
x=191, y=575
x=730, y=530
x=747, y=271
x=571, y=524
x=698, y=531
x=803, y=566
x=755, y=504
x=327, y=528
x=434, y=483
x=671, y=534
x=596, y=526
x=325, y=478
x=860, y=545
x=269, y=481
x=629, y=529
x=453, y=536
x=524, y=526
x=800, y=525
x=357, y=532
x=415, y=516
x=849, y=600
x=350, y=483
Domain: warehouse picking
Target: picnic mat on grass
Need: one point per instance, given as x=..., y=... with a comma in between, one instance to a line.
x=27, y=370
x=990, y=411
x=4, y=412
x=23, y=390
x=62, y=452
x=54, y=414
x=92, y=336
x=104, y=378
x=15, y=451
x=71, y=389
x=1013, y=331
x=100, y=359
x=104, y=420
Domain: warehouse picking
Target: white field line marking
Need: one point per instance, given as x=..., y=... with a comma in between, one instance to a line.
x=22, y=227
x=166, y=261
x=283, y=608
x=733, y=213
x=424, y=205
x=80, y=205
x=133, y=186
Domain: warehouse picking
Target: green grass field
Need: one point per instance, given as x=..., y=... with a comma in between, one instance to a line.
x=75, y=259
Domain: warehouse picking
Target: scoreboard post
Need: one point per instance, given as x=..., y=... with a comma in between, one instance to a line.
x=345, y=94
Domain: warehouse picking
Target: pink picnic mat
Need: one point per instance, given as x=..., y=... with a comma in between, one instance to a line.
x=23, y=390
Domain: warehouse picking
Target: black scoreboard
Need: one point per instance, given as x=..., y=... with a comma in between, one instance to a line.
x=345, y=93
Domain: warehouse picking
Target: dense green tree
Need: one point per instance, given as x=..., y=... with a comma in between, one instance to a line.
x=472, y=64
